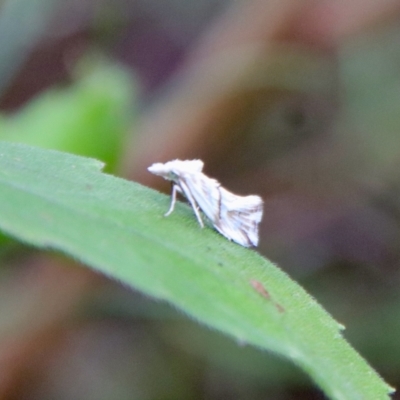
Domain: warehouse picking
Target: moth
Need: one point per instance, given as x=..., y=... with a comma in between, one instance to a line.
x=235, y=217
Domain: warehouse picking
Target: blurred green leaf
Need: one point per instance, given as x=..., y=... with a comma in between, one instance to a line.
x=55, y=200
x=90, y=117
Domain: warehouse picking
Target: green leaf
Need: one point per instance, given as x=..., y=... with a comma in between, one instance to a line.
x=90, y=117
x=60, y=201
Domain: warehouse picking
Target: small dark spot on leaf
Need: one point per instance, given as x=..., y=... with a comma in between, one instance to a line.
x=259, y=287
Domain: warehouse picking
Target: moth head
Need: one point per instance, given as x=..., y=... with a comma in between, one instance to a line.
x=161, y=169
x=173, y=169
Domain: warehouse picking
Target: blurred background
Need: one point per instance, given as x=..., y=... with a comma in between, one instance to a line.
x=295, y=100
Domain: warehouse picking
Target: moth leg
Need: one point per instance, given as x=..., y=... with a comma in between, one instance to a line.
x=193, y=203
x=175, y=189
x=198, y=216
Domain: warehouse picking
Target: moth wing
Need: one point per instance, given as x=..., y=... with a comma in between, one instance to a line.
x=235, y=217
x=240, y=217
x=205, y=192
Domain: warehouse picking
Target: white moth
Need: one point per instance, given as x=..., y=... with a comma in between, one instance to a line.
x=235, y=217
